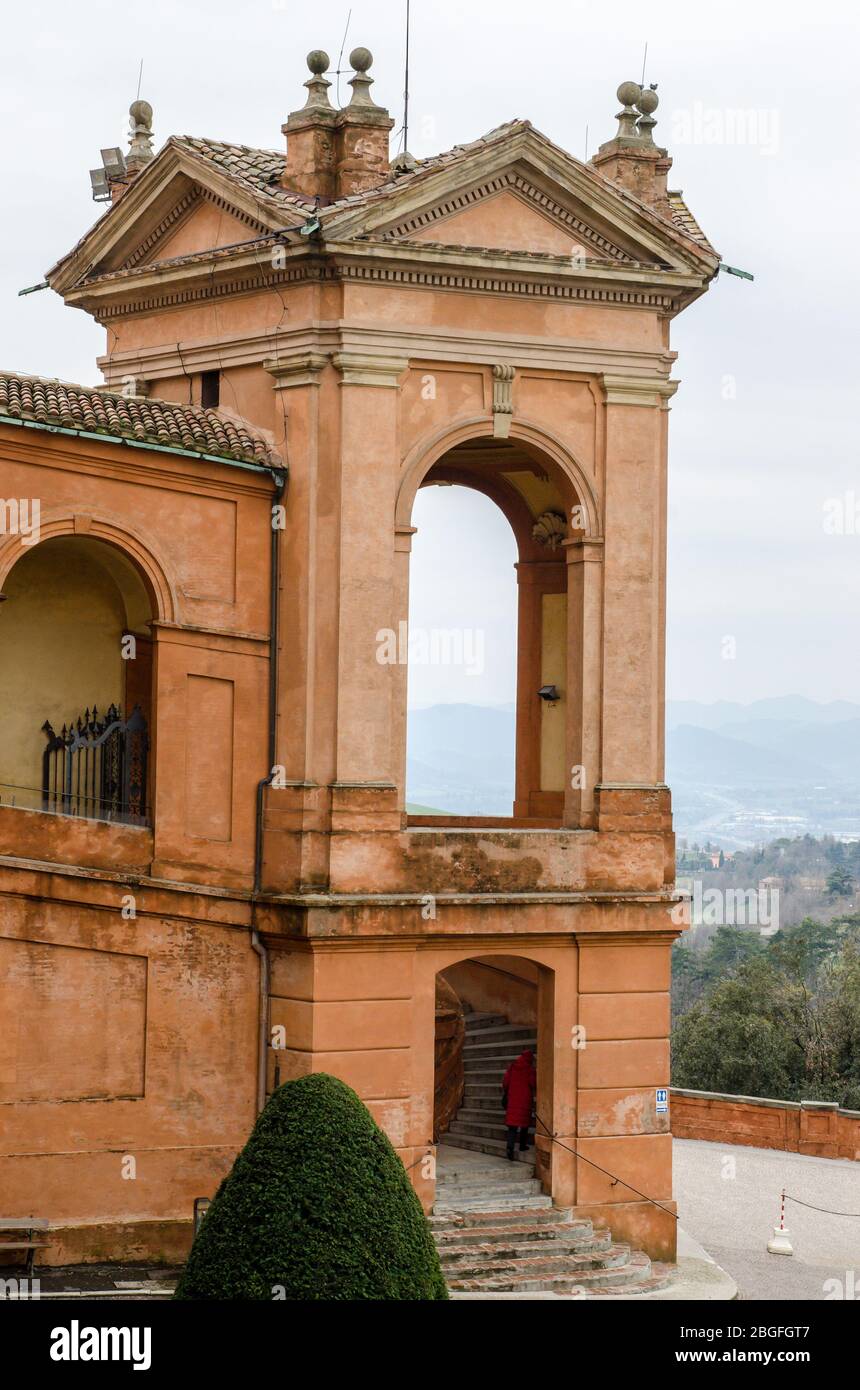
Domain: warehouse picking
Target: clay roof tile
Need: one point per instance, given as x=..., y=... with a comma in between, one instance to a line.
x=164, y=424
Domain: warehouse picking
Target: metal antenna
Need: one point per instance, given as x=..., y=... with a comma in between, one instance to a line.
x=139, y=80
x=644, y=60
x=340, y=55
x=406, y=87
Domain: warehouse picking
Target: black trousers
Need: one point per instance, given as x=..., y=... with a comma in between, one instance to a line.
x=512, y=1137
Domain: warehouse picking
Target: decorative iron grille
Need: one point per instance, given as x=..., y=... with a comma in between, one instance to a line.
x=97, y=767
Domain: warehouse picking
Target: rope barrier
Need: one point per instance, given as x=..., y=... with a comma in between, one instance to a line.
x=615, y=1178
x=787, y=1197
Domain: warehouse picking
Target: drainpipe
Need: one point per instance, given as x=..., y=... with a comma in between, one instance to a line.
x=256, y=944
x=262, y=1040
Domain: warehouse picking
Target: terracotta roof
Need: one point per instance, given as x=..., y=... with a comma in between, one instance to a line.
x=684, y=219
x=258, y=170
x=261, y=171
x=161, y=424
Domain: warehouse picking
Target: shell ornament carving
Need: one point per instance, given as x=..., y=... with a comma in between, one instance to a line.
x=550, y=529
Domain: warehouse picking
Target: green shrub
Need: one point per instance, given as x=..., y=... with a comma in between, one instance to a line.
x=317, y=1206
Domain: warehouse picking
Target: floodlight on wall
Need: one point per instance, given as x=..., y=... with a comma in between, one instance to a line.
x=113, y=170
x=549, y=692
x=113, y=160
x=101, y=187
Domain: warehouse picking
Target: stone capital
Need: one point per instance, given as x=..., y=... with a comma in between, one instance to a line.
x=360, y=369
x=302, y=369
x=636, y=390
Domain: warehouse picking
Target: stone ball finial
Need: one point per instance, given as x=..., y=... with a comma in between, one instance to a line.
x=360, y=59
x=141, y=114
x=318, y=61
x=629, y=93
x=648, y=101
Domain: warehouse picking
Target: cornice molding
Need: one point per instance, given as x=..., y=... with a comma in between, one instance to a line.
x=414, y=278
x=310, y=342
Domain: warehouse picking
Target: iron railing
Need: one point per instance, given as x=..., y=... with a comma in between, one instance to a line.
x=96, y=767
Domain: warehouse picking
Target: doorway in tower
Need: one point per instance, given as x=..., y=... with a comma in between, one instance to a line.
x=487, y=1024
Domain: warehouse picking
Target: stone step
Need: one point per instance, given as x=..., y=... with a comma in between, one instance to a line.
x=574, y=1233
x=483, y=1020
x=548, y=1242
x=489, y=1128
x=511, y=1216
x=487, y=1146
x=511, y=1191
x=519, y=1175
x=509, y=1032
x=475, y=1262
x=482, y=1115
x=486, y=1179
x=499, y=1047
x=488, y=1105
x=539, y=1202
x=518, y=1277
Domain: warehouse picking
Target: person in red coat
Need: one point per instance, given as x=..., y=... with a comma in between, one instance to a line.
x=518, y=1096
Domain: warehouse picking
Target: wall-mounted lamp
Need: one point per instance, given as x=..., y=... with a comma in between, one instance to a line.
x=549, y=692
x=201, y=1206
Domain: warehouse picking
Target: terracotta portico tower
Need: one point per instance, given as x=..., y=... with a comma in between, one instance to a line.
x=495, y=317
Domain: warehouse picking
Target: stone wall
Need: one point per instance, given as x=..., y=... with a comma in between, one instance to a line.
x=815, y=1127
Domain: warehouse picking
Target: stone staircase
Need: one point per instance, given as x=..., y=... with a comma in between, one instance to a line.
x=495, y=1230
x=491, y=1044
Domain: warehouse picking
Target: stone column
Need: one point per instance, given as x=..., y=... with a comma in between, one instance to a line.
x=364, y=790
x=584, y=649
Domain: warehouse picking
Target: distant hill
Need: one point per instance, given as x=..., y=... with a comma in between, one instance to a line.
x=781, y=707
x=698, y=755
x=742, y=774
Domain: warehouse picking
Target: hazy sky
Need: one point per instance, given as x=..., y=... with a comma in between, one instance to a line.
x=763, y=440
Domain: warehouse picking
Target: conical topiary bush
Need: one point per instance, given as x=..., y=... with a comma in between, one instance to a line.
x=317, y=1206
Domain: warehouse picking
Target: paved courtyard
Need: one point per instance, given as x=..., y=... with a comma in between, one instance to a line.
x=728, y=1199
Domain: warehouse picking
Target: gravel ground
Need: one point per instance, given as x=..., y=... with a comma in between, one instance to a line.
x=728, y=1199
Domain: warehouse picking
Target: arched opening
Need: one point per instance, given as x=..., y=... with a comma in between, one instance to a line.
x=76, y=682
x=549, y=521
x=494, y=1024
x=462, y=667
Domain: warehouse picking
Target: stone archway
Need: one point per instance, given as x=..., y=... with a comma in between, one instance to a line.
x=552, y=509
x=76, y=677
x=518, y=994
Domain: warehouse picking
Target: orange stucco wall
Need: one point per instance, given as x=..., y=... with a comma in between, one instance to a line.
x=812, y=1127
x=358, y=910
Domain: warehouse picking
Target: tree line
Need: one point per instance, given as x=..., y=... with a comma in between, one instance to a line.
x=771, y=1016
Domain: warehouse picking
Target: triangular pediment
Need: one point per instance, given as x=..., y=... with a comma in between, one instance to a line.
x=181, y=205
x=200, y=222
x=510, y=213
x=515, y=191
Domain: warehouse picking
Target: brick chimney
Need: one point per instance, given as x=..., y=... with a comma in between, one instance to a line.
x=310, y=167
x=332, y=154
x=362, y=133
x=632, y=159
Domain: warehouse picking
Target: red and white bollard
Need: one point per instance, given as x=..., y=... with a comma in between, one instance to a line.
x=779, y=1243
